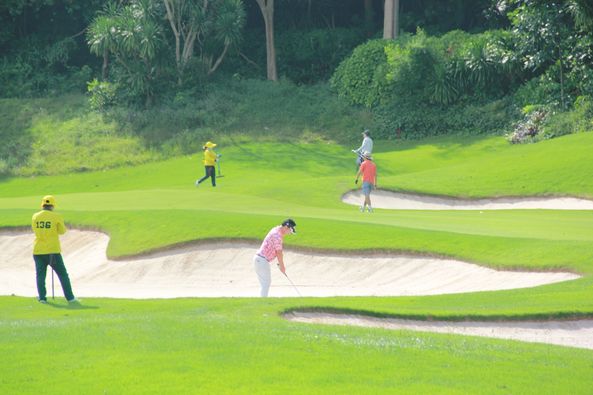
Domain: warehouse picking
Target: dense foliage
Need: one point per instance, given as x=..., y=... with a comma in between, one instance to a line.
x=422, y=85
x=465, y=83
x=170, y=72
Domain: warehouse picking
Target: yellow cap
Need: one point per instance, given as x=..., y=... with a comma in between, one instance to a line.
x=48, y=200
x=209, y=144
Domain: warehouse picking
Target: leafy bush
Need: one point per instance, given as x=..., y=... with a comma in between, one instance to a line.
x=4, y=169
x=407, y=119
x=441, y=70
x=537, y=91
x=579, y=119
x=421, y=86
x=542, y=122
x=37, y=69
x=362, y=77
x=102, y=94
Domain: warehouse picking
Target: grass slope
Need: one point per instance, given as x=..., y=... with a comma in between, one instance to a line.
x=241, y=345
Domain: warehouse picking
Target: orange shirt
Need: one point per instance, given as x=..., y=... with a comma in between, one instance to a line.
x=369, y=171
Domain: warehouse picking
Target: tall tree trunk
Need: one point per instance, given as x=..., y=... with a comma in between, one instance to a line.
x=391, y=19
x=104, y=69
x=561, y=78
x=173, y=21
x=267, y=10
x=395, y=19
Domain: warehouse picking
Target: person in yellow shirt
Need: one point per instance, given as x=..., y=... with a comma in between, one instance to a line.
x=48, y=226
x=210, y=158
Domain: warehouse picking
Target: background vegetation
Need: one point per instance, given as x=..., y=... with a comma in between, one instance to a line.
x=458, y=67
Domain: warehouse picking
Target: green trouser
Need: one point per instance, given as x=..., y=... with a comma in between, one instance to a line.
x=57, y=264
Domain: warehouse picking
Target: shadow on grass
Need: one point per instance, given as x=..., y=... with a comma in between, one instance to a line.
x=71, y=306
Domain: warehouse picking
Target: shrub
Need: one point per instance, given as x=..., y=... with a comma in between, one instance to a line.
x=407, y=119
x=102, y=94
x=361, y=78
x=579, y=119
x=530, y=128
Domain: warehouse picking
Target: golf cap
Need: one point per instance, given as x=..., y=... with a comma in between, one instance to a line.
x=209, y=144
x=48, y=200
x=290, y=223
x=366, y=132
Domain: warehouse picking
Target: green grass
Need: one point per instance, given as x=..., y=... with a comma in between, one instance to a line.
x=242, y=345
x=60, y=135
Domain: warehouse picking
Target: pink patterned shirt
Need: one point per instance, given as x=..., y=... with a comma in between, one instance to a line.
x=271, y=244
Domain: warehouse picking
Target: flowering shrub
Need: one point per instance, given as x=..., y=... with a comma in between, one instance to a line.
x=530, y=128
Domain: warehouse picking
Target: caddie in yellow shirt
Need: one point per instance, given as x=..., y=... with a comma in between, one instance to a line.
x=210, y=158
x=47, y=226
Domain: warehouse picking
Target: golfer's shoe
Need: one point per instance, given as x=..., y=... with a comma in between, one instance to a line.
x=197, y=182
x=42, y=301
x=362, y=209
x=74, y=301
x=370, y=209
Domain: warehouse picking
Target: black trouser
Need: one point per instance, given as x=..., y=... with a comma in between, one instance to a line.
x=57, y=263
x=209, y=173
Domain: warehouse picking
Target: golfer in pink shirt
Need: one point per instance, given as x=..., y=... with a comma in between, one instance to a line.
x=271, y=248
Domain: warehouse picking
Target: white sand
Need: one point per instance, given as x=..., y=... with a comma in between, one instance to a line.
x=225, y=270
x=577, y=333
x=405, y=201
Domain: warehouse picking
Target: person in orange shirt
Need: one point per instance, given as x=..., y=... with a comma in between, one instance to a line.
x=48, y=226
x=368, y=170
x=210, y=158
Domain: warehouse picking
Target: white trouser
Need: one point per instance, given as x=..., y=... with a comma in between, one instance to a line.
x=264, y=274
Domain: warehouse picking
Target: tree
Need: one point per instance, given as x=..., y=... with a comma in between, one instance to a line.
x=202, y=20
x=583, y=12
x=267, y=9
x=544, y=36
x=391, y=19
x=132, y=34
x=101, y=38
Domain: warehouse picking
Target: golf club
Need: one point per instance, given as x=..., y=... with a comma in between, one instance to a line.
x=359, y=155
x=219, y=175
x=51, y=259
x=294, y=286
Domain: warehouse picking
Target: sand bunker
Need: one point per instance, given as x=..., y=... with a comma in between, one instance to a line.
x=226, y=269
x=577, y=333
x=404, y=201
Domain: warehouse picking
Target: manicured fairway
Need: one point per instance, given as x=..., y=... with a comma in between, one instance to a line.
x=242, y=345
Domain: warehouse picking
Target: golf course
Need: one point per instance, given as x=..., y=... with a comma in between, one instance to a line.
x=296, y=197
x=245, y=344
